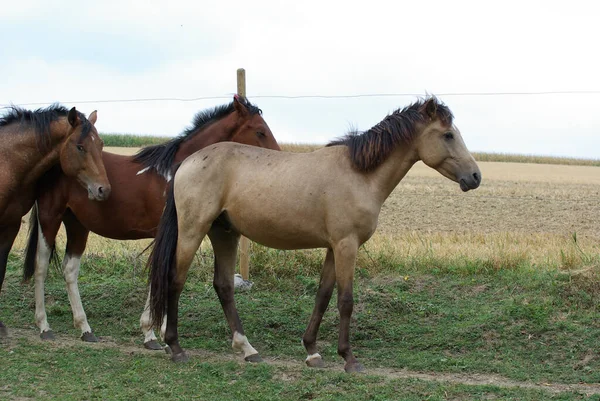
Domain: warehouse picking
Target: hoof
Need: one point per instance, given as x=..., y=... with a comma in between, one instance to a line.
x=47, y=335
x=168, y=350
x=355, y=367
x=182, y=357
x=153, y=345
x=254, y=358
x=89, y=337
x=3, y=331
x=315, y=362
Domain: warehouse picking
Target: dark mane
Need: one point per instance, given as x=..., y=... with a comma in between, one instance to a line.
x=370, y=148
x=41, y=120
x=160, y=157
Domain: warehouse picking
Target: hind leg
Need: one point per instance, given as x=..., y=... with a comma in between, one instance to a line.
x=7, y=238
x=188, y=242
x=225, y=243
x=77, y=236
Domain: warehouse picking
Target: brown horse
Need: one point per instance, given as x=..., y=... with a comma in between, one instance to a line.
x=135, y=206
x=330, y=198
x=33, y=142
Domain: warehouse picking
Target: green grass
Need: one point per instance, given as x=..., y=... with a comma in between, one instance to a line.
x=130, y=140
x=521, y=322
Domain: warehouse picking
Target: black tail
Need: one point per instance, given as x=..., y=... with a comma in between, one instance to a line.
x=162, y=259
x=32, y=244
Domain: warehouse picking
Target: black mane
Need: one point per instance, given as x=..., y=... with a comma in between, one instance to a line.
x=41, y=120
x=161, y=157
x=370, y=148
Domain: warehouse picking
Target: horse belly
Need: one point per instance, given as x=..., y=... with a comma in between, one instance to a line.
x=280, y=227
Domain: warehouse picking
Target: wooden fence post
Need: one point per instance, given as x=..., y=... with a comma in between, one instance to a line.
x=244, y=242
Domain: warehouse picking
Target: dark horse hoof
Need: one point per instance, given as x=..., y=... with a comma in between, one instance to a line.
x=182, y=357
x=89, y=337
x=3, y=331
x=153, y=345
x=254, y=358
x=354, y=367
x=47, y=335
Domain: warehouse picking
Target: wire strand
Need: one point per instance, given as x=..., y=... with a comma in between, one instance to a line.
x=364, y=95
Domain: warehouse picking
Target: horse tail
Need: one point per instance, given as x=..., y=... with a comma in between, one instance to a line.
x=32, y=244
x=162, y=259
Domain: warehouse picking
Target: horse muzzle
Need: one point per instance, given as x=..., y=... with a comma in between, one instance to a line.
x=98, y=192
x=470, y=181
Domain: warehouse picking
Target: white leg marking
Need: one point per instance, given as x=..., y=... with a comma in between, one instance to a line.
x=41, y=270
x=313, y=356
x=163, y=327
x=146, y=324
x=240, y=342
x=71, y=270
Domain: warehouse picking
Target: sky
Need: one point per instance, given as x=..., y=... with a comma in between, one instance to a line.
x=86, y=53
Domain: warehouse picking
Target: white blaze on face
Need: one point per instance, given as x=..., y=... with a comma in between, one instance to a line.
x=240, y=342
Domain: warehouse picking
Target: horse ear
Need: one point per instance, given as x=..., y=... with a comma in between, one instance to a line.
x=73, y=117
x=430, y=107
x=93, y=117
x=239, y=103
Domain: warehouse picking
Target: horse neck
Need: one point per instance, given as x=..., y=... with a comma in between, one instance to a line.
x=41, y=158
x=206, y=136
x=388, y=175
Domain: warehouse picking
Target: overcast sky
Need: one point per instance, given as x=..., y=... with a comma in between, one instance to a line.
x=70, y=52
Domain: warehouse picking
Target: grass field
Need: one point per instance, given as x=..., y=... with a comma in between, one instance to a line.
x=489, y=295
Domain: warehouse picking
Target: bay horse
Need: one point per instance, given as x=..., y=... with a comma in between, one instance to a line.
x=330, y=198
x=34, y=142
x=134, y=208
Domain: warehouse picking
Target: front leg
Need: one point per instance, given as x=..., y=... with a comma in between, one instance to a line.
x=150, y=340
x=326, y=284
x=7, y=238
x=77, y=236
x=345, y=259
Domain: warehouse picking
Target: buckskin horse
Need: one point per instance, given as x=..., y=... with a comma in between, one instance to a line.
x=34, y=142
x=133, y=211
x=330, y=198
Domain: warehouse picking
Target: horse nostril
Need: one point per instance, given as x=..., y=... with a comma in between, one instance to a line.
x=476, y=177
x=100, y=190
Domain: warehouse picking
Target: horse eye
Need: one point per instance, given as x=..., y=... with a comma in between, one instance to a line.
x=261, y=134
x=80, y=148
x=448, y=136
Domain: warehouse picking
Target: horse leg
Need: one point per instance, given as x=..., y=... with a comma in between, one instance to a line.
x=77, y=236
x=48, y=227
x=225, y=244
x=345, y=259
x=150, y=340
x=326, y=284
x=188, y=242
x=7, y=238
